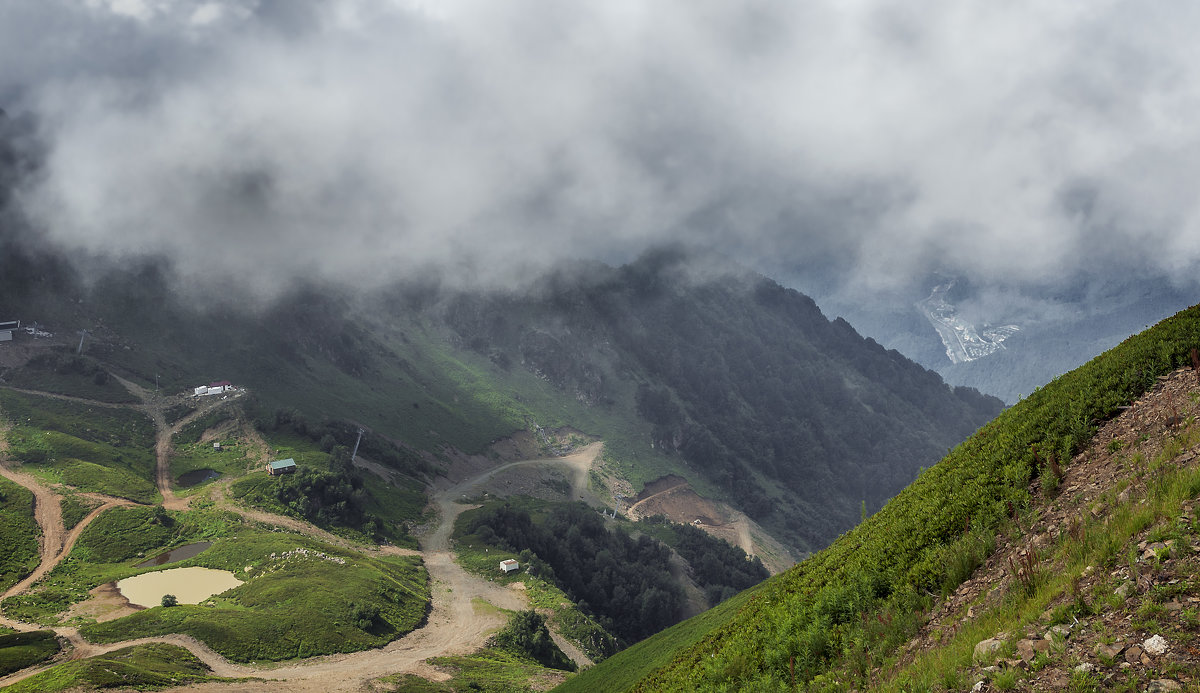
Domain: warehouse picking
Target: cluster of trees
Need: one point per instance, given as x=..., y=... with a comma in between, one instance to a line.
x=526, y=634
x=622, y=582
x=331, y=433
x=329, y=498
x=718, y=567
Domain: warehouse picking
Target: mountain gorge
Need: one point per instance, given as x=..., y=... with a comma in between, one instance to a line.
x=798, y=417
x=737, y=383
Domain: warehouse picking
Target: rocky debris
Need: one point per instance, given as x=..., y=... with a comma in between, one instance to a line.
x=985, y=649
x=1163, y=686
x=1155, y=575
x=1058, y=634
x=1156, y=646
x=1109, y=651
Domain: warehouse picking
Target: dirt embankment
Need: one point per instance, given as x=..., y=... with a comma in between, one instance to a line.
x=675, y=499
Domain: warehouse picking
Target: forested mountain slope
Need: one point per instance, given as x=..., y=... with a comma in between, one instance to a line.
x=724, y=376
x=852, y=604
x=798, y=416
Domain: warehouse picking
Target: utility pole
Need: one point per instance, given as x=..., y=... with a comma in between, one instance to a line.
x=82, y=334
x=354, y=455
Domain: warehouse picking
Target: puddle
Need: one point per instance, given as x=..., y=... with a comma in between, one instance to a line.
x=174, y=555
x=189, y=585
x=197, y=477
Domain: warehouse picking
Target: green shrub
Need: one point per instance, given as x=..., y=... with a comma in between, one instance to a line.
x=19, y=553
x=526, y=634
x=20, y=650
x=155, y=665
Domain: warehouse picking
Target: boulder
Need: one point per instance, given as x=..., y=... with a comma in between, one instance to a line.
x=986, y=649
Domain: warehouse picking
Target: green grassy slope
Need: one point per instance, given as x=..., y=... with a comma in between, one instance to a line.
x=18, y=534
x=151, y=666
x=809, y=614
x=92, y=448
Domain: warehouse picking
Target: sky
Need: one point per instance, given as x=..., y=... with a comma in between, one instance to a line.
x=860, y=143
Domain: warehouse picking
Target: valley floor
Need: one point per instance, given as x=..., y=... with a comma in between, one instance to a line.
x=459, y=623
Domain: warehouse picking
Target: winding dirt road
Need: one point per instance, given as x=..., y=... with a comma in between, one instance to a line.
x=457, y=624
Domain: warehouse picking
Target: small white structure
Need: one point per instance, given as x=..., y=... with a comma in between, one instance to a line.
x=7, y=327
x=218, y=388
x=509, y=566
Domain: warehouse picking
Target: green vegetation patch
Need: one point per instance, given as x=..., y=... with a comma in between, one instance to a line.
x=624, y=583
x=331, y=493
x=490, y=670
x=115, y=426
x=301, y=598
x=195, y=429
x=102, y=449
x=68, y=374
x=623, y=671
x=526, y=634
x=20, y=650
x=18, y=534
x=41, y=606
x=120, y=534
x=812, y=613
x=154, y=665
x=75, y=508
x=229, y=459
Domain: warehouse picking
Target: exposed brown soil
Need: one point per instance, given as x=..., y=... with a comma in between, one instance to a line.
x=662, y=483
x=673, y=497
x=106, y=604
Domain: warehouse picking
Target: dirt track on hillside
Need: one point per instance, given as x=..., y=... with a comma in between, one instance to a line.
x=456, y=624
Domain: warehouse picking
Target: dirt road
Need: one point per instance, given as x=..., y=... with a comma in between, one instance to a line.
x=458, y=624
x=153, y=406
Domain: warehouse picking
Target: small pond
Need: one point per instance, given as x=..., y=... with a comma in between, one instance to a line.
x=180, y=554
x=197, y=477
x=189, y=585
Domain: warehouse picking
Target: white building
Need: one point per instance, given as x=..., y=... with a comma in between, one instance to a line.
x=509, y=566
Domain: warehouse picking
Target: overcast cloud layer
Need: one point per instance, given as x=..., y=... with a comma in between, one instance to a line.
x=1017, y=142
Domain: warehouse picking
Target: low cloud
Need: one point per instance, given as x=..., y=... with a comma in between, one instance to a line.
x=364, y=140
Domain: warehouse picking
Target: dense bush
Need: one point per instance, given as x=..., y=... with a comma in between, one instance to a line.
x=18, y=534
x=526, y=634
x=328, y=499
x=624, y=583
x=718, y=567
x=20, y=650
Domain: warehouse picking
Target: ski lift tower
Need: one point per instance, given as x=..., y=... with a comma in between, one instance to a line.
x=354, y=455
